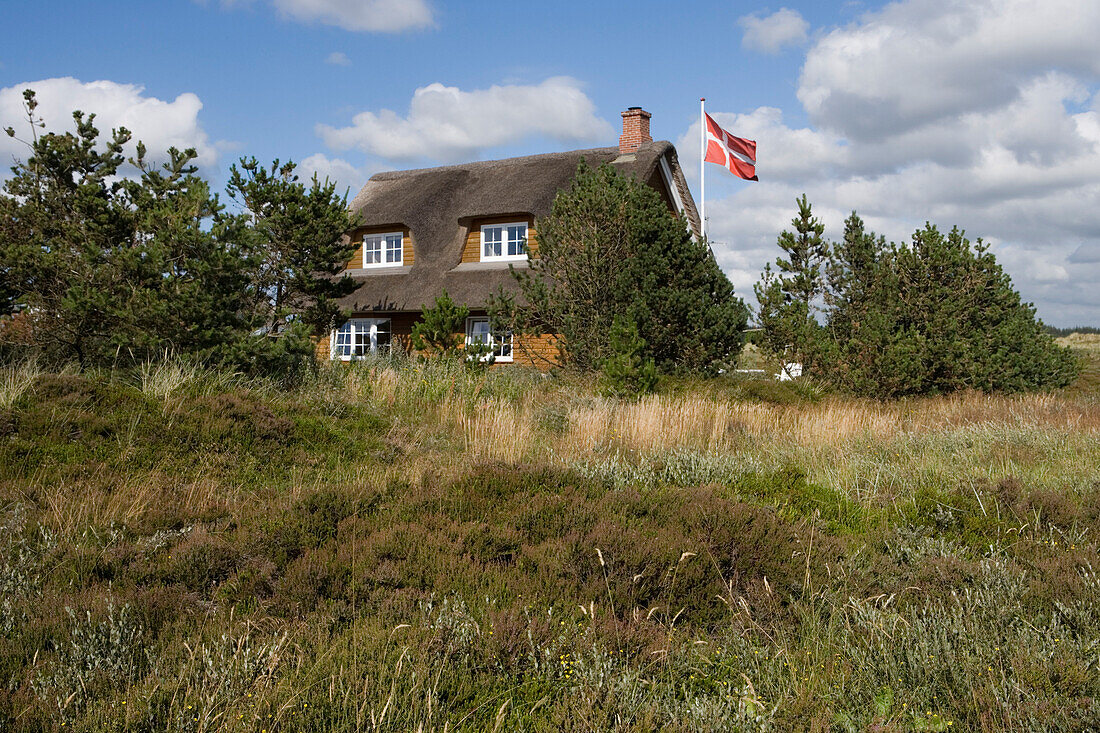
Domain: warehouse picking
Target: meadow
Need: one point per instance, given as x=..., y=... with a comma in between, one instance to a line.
x=418, y=546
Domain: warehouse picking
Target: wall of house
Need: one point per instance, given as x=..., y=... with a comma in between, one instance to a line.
x=400, y=329
x=321, y=347
x=539, y=352
x=471, y=251
x=408, y=250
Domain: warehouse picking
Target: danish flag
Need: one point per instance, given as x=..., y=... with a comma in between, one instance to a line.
x=735, y=153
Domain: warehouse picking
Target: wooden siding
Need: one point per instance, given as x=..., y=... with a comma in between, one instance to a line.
x=408, y=250
x=321, y=347
x=471, y=251
x=540, y=351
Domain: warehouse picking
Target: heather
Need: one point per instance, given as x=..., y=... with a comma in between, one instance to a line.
x=401, y=545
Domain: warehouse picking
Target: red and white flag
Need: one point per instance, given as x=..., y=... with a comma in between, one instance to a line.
x=735, y=153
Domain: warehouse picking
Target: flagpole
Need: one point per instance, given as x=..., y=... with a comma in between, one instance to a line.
x=702, y=167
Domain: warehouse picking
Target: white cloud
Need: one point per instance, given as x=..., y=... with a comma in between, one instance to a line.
x=783, y=153
x=983, y=114
x=769, y=34
x=337, y=170
x=159, y=124
x=917, y=61
x=338, y=58
x=449, y=124
x=381, y=16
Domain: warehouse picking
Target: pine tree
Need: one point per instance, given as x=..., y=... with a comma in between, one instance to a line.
x=115, y=268
x=191, y=268
x=295, y=243
x=806, y=250
x=610, y=247
x=934, y=316
x=66, y=245
x=977, y=333
x=627, y=372
x=440, y=328
x=787, y=296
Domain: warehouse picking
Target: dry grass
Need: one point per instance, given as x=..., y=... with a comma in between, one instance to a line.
x=1083, y=341
x=870, y=452
x=15, y=379
x=498, y=431
x=663, y=422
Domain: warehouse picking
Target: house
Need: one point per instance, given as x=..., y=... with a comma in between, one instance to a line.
x=459, y=228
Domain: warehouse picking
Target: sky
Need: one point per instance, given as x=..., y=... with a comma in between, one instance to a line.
x=983, y=114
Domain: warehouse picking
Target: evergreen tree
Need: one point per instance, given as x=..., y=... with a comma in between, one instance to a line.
x=295, y=243
x=976, y=332
x=934, y=316
x=851, y=278
x=115, y=268
x=787, y=296
x=440, y=328
x=806, y=250
x=65, y=245
x=627, y=372
x=191, y=268
x=610, y=247
x=865, y=350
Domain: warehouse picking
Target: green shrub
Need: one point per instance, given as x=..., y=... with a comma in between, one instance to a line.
x=626, y=371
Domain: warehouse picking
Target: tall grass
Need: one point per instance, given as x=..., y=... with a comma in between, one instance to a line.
x=15, y=379
x=395, y=545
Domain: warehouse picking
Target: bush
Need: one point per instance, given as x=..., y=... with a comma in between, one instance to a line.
x=440, y=327
x=626, y=372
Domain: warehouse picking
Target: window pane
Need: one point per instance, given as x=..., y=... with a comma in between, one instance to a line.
x=393, y=248
x=378, y=335
x=342, y=343
x=516, y=237
x=480, y=332
x=492, y=237
x=362, y=342
x=372, y=249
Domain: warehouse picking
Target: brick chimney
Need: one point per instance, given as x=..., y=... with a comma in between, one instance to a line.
x=635, y=130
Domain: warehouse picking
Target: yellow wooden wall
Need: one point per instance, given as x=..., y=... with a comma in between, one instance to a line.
x=540, y=352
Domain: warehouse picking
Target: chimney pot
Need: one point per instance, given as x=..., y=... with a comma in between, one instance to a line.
x=635, y=130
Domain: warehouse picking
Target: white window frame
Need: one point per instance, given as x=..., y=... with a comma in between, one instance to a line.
x=504, y=240
x=494, y=344
x=385, y=250
x=367, y=329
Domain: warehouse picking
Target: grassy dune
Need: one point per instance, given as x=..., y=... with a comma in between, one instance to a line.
x=407, y=547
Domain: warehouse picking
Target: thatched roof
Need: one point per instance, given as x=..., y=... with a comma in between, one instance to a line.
x=438, y=205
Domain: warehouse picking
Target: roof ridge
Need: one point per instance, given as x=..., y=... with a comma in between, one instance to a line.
x=473, y=164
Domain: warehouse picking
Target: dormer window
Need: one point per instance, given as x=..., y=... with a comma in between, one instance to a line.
x=382, y=250
x=503, y=242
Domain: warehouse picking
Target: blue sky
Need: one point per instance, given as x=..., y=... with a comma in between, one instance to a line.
x=983, y=114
